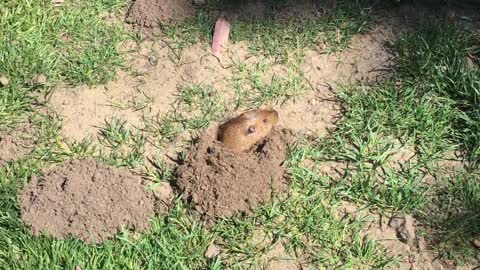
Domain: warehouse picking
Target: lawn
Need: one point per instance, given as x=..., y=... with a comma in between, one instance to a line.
x=403, y=144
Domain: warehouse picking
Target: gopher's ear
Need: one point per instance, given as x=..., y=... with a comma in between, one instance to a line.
x=251, y=129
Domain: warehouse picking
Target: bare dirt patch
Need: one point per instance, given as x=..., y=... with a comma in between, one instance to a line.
x=133, y=97
x=159, y=72
x=17, y=143
x=219, y=182
x=316, y=112
x=279, y=259
x=12, y=148
x=87, y=200
x=164, y=195
x=367, y=59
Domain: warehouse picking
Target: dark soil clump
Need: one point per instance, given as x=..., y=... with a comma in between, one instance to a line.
x=220, y=183
x=85, y=199
x=152, y=14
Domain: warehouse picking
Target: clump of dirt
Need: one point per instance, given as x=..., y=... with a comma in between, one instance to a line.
x=155, y=13
x=11, y=149
x=85, y=199
x=220, y=183
x=16, y=144
x=397, y=233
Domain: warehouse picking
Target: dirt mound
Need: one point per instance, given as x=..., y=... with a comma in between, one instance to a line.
x=11, y=149
x=220, y=183
x=155, y=13
x=16, y=144
x=85, y=199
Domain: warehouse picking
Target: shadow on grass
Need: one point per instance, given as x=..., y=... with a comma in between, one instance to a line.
x=456, y=219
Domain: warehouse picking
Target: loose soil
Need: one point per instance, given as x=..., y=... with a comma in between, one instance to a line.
x=220, y=183
x=136, y=97
x=17, y=143
x=153, y=89
x=152, y=14
x=85, y=199
x=161, y=72
x=11, y=148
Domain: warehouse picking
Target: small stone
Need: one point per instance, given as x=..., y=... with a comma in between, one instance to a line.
x=57, y=2
x=476, y=243
x=470, y=64
x=347, y=209
x=39, y=79
x=163, y=191
x=78, y=268
x=212, y=251
x=4, y=81
x=64, y=36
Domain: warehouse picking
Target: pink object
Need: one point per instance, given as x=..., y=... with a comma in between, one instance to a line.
x=220, y=36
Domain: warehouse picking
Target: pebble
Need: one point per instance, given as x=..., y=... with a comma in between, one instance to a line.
x=470, y=64
x=476, y=243
x=212, y=251
x=39, y=79
x=4, y=81
x=57, y=2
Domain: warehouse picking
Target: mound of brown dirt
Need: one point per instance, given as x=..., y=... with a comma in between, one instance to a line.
x=16, y=144
x=11, y=148
x=85, y=199
x=219, y=182
x=155, y=13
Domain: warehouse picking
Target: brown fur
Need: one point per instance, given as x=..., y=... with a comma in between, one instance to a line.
x=242, y=132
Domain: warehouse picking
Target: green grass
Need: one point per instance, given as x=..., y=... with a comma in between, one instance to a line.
x=195, y=108
x=70, y=43
x=174, y=242
x=429, y=109
x=437, y=64
x=177, y=241
x=125, y=144
x=456, y=219
x=257, y=85
x=306, y=223
x=280, y=38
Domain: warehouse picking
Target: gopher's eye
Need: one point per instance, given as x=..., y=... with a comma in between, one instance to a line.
x=265, y=120
x=251, y=129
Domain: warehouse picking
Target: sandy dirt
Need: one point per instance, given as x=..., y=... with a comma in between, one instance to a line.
x=158, y=72
x=154, y=88
x=87, y=200
x=150, y=91
x=17, y=143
